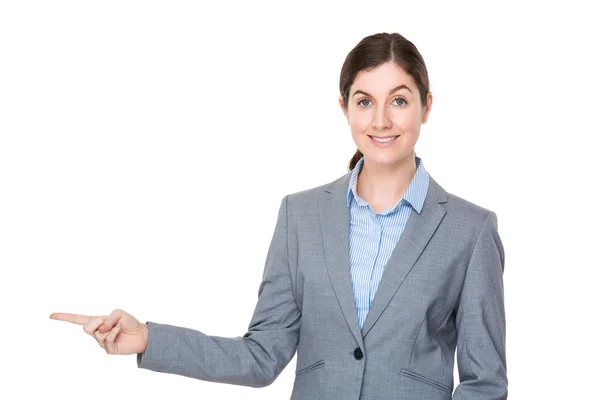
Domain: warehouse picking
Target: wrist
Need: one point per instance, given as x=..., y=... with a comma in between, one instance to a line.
x=145, y=335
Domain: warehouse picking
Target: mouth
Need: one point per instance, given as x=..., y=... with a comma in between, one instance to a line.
x=383, y=140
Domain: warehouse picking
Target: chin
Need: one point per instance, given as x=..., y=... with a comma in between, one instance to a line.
x=386, y=156
x=382, y=157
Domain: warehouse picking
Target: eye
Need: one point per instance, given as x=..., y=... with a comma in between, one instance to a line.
x=361, y=103
x=400, y=98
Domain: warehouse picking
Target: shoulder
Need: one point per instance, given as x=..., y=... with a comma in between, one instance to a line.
x=307, y=200
x=462, y=214
x=464, y=222
x=455, y=204
x=463, y=207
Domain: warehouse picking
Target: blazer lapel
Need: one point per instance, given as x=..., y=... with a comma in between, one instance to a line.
x=418, y=231
x=335, y=228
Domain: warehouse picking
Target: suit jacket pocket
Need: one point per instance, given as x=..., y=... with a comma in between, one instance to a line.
x=428, y=381
x=309, y=368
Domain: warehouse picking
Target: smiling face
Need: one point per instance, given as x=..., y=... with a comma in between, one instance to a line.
x=385, y=103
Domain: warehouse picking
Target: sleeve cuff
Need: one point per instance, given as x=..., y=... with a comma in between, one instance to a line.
x=161, y=353
x=142, y=357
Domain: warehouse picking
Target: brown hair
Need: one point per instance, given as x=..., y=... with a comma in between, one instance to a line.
x=378, y=49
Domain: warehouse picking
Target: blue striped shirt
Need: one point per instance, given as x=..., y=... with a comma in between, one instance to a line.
x=374, y=237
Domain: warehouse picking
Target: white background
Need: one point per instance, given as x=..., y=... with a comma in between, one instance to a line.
x=136, y=136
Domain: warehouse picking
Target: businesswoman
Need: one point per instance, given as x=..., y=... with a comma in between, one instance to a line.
x=376, y=279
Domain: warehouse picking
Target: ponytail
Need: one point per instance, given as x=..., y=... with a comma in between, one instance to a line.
x=357, y=156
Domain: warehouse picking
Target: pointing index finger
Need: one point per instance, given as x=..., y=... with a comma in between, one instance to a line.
x=73, y=318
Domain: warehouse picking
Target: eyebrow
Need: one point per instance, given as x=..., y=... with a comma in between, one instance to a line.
x=391, y=91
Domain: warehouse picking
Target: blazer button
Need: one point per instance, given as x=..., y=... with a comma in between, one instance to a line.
x=358, y=354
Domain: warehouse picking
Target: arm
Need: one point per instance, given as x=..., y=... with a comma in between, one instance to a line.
x=480, y=321
x=257, y=358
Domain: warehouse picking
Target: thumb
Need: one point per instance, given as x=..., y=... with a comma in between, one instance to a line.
x=111, y=320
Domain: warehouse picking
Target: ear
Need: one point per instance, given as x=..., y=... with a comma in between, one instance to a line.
x=341, y=101
x=427, y=110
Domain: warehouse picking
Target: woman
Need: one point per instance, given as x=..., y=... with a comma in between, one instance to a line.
x=376, y=279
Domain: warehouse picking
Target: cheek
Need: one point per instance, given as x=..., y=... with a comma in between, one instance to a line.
x=407, y=122
x=359, y=123
x=402, y=120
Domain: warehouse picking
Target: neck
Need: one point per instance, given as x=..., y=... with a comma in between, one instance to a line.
x=386, y=183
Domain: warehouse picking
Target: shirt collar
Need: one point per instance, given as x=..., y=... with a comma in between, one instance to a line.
x=415, y=194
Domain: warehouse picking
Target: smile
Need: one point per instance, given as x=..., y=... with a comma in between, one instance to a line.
x=384, y=141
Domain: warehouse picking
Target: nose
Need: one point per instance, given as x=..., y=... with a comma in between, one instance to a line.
x=380, y=119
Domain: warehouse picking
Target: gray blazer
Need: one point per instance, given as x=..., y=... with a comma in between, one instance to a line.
x=441, y=292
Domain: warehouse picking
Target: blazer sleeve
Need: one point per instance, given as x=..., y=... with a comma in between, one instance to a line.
x=254, y=359
x=480, y=321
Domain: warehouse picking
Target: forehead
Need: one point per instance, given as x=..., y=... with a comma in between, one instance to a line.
x=382, y=78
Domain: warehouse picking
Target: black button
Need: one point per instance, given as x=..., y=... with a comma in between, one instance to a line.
x=358, y=354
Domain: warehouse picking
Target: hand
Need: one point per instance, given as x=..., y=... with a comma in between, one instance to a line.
x=117, y=333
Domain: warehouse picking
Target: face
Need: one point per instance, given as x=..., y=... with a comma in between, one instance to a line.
x=385, y=103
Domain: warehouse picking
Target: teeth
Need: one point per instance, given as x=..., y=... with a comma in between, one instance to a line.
x=383, y=140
